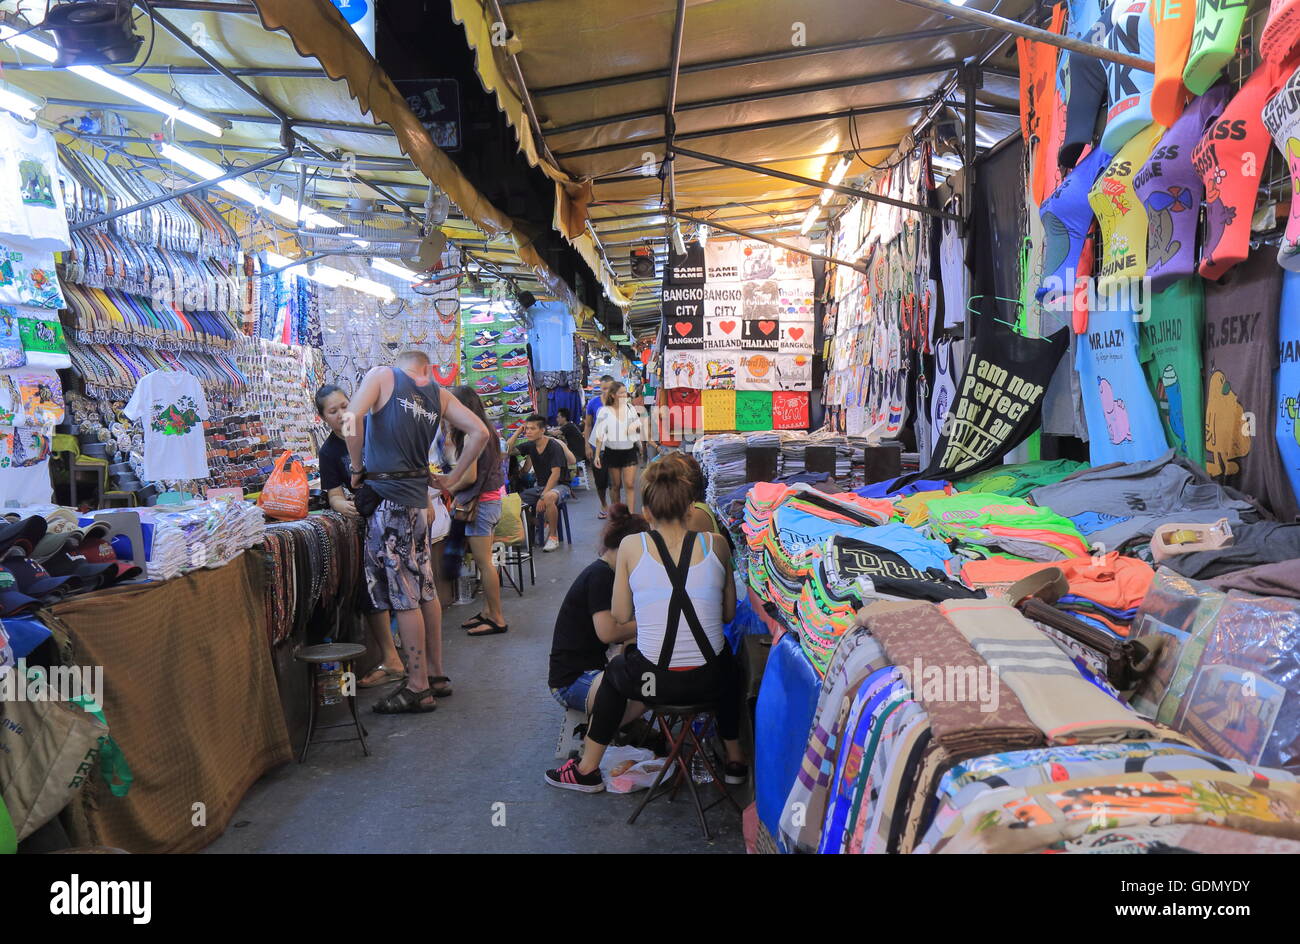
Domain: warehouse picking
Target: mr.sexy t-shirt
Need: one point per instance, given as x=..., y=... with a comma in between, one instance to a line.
x=1240, y=355
x=171, y=406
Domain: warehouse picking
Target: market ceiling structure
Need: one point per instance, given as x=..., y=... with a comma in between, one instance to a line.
x=598, y=92
x=256, y=96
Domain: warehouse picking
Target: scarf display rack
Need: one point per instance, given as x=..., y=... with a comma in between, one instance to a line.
x=312, y=567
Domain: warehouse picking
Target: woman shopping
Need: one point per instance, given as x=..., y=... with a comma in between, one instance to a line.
x=335, y=475
x=483, y=484
x=677, y=586
x=617, y=441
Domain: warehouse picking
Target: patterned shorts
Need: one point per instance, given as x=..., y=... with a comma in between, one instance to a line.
x=399, y=573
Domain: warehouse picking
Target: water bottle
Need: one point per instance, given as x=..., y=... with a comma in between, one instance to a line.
x=700, y=770
x=329, y=683
x=465, y=583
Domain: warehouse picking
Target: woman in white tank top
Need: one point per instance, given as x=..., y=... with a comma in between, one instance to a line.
x=680, y=655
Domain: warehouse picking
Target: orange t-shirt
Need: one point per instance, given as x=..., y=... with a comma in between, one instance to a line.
x=1173, y=21
x=1117, y=582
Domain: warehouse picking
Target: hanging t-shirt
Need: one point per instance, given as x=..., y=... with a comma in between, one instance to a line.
x=1287, y=419
x=1282, y=119
x=1171, y=191
x=1085, y=92
x=1230, y=159
x=171, y=405
x=1123, y=423
x=1214, y=40
x=1241, y=338
x=944, y=388
x=1128, y=90
x=31, y=199
x=1282, y=31
x=1173, y=22
x=1067, y=216
x=954, y=277
x=1120, y=214
x=1170, y=350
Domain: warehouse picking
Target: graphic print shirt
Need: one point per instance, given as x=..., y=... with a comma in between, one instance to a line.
x=1123, y=423
x=171, y=406
x=1170, y=350
x=31, y=199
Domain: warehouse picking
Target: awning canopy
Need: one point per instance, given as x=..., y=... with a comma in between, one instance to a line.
x=226, y=60
x=790, y=85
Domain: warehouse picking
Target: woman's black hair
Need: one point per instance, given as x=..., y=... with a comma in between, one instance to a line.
x=470, y=398
x=621, y=523
x=323, y=394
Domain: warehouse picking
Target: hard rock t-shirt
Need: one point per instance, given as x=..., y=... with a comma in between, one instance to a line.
x=1171, y=191
x=1170, y=350
x=1282, y=119
x=1240, y=356
x=1128, y=90
x=1123, y=423
x=1120, y=213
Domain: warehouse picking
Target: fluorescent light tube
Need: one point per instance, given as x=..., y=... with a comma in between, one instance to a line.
x=19, y=104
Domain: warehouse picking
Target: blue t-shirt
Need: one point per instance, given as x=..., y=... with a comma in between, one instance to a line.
x=593, y=407
x=1128, y=89
x=1287, y=427
x=1067, y=217
x=1123, y=421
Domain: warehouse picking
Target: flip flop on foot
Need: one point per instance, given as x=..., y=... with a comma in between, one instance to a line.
x=602, y=513
x=381, y=675
x=471, y=623
x=440, y=685
x=488, y=628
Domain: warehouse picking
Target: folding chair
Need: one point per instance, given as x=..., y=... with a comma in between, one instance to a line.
x=514, y=539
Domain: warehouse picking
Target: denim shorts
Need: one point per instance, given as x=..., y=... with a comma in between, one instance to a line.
x=485, y=520
x=575, y=694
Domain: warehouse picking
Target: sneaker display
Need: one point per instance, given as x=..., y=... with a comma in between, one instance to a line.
x=495, y=411
x=485, y=361
x=568, y=777
x=515, y=358
x=485, y=338
x=482, y=317
x=551, y=543
x=487, y=385
x=514, y=335
x=518, y=385
x=520, y=405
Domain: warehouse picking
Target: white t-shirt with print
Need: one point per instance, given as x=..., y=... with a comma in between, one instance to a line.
x=171, y=405
x=31, y=197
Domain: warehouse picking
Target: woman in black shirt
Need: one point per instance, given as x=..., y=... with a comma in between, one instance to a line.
x=584, y=627
x=335, y=478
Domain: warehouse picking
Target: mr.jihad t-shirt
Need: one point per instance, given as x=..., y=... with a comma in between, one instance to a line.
x=1170, y=350
x=1240, y=355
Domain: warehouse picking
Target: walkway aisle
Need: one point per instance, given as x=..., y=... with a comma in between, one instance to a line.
x=436, y=783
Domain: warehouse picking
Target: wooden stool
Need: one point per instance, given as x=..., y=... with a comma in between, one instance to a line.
x=344, y=653
x=667, y=716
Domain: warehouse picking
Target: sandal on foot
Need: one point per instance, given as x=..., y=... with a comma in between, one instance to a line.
x=491, y=630
x=602, y=513
x=404, y=701
x=478, y=620
x=440, y=685
x=386, y=676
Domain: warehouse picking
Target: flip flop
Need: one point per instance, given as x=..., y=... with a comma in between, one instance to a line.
x=389, y=676
x=441, y=686
x=478, y=620
x=493, y=631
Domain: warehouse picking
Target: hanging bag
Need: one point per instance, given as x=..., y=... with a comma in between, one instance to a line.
x=284, y=496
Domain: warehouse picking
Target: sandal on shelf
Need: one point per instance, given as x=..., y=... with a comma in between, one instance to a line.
x=491, y=629
x=386, y=677
x=404, y=701
x=478, y=620
x=440, y=685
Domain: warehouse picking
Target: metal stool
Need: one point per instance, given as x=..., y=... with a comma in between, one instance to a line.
x=679, y=756
x=315, y=656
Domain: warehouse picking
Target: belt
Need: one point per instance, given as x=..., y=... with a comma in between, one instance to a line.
x=406, y=474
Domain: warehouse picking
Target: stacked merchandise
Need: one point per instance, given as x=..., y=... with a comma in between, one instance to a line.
x=981, y=524
x=496, y=364
x=204, y=534
x=737, y=329
x=313, y=569
x=48, y=554
x=33, y=226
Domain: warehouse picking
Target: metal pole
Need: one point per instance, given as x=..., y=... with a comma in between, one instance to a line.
x=524, y=95
x=670, y=119
x=176, y=194
x=1024, y=31
x=757, y=59
x=771, y=242
x=971, y=81
x=201, y=7
x=297, y=262
x=823, y=185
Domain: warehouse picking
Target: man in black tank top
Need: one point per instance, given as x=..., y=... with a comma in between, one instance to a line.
x=394, y=419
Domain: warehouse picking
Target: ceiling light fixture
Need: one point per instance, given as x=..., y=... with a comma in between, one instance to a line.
x=18, y=103
x=285, y=208
x=127, y=88
x=335, y=278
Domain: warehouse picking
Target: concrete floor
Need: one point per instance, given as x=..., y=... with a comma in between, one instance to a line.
x=468, y=777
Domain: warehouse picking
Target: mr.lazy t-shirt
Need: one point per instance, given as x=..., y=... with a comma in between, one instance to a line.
x=1240, y=355
x=171, y=406
x=1123, y=424
x=1170, y=350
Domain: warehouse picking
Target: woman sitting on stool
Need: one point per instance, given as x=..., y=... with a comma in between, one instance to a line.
x=677, y=585
x=585, y=628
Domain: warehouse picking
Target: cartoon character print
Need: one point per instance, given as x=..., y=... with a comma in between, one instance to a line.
x=1161, y=205
x=1225, y=424
x=1169, y=400
x=1292, y=235
x=1117, y=423
x=176, y=419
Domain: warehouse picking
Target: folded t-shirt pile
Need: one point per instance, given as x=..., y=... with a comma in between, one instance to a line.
x=985, y=524
x=1119, y=506
x=1105, y=590
x=1017, y=481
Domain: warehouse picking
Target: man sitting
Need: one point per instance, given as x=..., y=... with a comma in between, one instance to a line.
x=551, y=461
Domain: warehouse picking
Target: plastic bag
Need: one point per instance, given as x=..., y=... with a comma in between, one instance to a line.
x=640, y=775
x=441, y=523
x=284, y=496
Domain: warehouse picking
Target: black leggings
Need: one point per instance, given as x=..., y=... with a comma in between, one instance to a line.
x=625, y=680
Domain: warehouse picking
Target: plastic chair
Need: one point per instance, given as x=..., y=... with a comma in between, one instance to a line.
x=581, y=480
x=537, y=522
